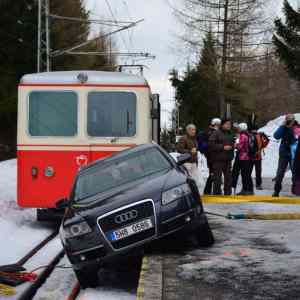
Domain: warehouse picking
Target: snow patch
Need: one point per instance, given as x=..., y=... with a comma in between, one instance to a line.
x=19, y=228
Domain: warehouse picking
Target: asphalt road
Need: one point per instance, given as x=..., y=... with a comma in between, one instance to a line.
x=250, y=259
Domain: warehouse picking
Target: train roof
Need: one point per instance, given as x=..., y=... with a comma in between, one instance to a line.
x=93, y=77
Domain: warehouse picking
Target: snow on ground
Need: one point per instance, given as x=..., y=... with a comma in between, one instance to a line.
x=63, y=279
x=37, y=264
x=107, y=294
x=19, y=229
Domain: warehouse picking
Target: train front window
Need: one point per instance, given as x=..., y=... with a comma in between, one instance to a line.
x=53, y=113
x=111, y=114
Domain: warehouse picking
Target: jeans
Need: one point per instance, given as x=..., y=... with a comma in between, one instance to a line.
x=246, y=171
x=220, y=168
x=283, y=164
x=257, y=164
x=236, y=170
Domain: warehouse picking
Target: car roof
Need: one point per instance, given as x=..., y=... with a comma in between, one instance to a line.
x=93, y=77
x=119, y=155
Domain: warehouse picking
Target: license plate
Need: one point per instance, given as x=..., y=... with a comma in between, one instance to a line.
x=130, y=230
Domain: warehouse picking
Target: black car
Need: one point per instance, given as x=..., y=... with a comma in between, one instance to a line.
x=120, y=203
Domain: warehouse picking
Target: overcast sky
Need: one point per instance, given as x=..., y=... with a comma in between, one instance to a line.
x=156, y=35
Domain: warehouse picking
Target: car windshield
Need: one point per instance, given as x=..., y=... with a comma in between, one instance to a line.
x=118, y=172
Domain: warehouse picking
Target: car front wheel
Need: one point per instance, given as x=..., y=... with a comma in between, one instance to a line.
x=88, y=277
x=204, y=235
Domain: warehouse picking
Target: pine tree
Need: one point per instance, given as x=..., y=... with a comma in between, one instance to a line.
x=287, y=40
x=197, y=93
x=18, y=50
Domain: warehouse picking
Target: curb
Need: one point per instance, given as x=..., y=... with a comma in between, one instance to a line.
x=216, y=199
x=151, y=279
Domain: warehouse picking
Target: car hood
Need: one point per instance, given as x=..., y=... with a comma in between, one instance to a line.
x=150, y=187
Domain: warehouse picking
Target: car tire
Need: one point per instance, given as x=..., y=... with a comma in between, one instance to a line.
x=204, y=235
x=88, y=277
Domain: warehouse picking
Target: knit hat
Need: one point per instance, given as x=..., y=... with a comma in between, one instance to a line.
x=215, y=121
x=243, y=126
x=290, y=117
x=190, y=126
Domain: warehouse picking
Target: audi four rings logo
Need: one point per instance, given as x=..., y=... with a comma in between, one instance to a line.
x=130, y=215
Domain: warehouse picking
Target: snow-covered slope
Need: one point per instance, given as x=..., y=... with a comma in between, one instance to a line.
x=270, y=158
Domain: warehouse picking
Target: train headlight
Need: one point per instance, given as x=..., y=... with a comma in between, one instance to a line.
x=49, y=172
x=34, y=172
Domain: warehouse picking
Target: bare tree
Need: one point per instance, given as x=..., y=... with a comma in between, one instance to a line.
x=240, y=27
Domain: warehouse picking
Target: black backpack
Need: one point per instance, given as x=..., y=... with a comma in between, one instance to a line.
x=253, y=146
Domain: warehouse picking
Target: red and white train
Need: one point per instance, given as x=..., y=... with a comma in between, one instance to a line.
x=68, y=119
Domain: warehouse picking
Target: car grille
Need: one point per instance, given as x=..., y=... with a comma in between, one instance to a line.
x=144, y=210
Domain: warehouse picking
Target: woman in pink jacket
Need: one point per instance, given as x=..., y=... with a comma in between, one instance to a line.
x=245, y=160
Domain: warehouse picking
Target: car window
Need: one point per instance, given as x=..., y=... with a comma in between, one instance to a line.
x=52, y=113
x=111, y=114
x=99, y=179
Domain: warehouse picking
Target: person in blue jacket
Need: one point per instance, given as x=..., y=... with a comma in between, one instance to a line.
x=285, y=133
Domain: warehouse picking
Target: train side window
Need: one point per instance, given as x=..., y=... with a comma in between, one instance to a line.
x=53, y=113
x=111, y=114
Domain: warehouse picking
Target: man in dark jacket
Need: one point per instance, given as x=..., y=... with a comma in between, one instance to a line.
x=285, y=133
x=221, y=147
x=203, y=140
x=188, y=144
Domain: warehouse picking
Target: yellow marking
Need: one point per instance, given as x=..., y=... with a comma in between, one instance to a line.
x=274, y=216
x=141, y=287
x=216, y=199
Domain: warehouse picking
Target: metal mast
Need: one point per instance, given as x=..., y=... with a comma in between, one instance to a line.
x=43, y=53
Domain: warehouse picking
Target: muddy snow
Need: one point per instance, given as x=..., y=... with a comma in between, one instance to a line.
x=251, y=259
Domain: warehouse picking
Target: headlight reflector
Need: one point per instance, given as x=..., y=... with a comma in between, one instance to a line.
x=175, y=193
x=76, y=230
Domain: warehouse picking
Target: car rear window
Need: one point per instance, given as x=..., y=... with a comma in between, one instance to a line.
x=136, y=166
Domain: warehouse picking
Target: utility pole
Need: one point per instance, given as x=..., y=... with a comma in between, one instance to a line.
x=224, y=60
x=43, y=53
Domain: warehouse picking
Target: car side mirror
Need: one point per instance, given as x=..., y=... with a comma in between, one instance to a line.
x=62, y=203
x=183, y=158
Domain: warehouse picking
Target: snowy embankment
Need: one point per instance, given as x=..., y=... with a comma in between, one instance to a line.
x=270, y=158
x=19, y=229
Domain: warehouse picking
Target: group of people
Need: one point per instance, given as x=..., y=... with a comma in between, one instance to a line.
x=234, y=150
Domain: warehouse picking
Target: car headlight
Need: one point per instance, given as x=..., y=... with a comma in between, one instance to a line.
x=175, y=193
x=75, y=230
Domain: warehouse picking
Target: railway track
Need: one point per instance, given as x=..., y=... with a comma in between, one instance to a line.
x=74, y=292
x=55, y=277
x=43, y=258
